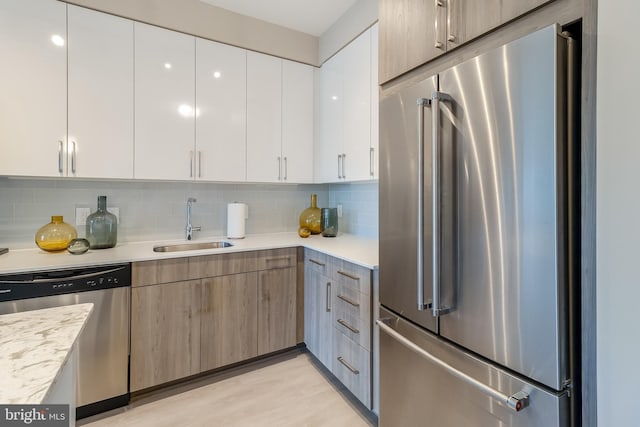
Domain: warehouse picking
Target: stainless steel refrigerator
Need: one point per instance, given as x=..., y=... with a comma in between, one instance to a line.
x=475, y=205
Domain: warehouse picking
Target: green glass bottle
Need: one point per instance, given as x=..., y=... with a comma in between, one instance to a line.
x=102, y=227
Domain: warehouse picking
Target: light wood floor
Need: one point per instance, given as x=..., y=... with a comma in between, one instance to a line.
x=289, y=390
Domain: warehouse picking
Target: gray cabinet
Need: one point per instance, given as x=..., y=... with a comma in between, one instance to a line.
x=338, y=321
x=413, y=32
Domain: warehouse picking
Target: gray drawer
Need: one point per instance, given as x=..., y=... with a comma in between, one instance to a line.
x=352, y=366
x=317, y=262
x=351, y=275
x=352, y=314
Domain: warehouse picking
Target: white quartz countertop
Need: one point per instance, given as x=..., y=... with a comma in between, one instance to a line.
x=352, y=248
x=34, y=346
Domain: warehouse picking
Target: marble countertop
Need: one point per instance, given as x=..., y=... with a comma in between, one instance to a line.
x=34, y=346
x=352, y=248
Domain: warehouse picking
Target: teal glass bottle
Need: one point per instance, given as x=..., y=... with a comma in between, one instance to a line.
x=102, y=227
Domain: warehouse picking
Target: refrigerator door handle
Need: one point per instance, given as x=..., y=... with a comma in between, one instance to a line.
x=436, y=98
x=422, y=305
x=517, y=401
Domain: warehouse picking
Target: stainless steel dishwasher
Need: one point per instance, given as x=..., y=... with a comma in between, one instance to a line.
x=103, y=346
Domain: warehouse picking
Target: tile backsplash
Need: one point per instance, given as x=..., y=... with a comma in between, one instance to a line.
x=157, y=210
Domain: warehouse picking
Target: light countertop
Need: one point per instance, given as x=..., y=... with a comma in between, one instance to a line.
x=34, y=346
x=351, y=248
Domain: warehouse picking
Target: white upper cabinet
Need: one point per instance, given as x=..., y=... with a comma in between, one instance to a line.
x=375, y=95
x=357, y=109
x=297, y=122
x=329, y=121
x=164, y=104
x=345, y=142
x=100, y=95
x=264, y=118
x=221, y=105
x=33, y=88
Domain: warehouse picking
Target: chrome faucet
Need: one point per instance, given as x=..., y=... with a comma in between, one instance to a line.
x=190, y=228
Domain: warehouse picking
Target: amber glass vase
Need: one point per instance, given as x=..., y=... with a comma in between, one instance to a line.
x=310, y=218
x=56, y=235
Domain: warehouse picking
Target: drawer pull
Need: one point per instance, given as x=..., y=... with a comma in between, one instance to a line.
x=328, y=297
x=321, y=264
x=349, y=300
x=350, y=276
x=348, y=326
x=280, y=258
x=349, y=367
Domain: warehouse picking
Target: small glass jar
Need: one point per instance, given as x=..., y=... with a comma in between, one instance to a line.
x=329, y=222
x=56, y=235
x=102, y=227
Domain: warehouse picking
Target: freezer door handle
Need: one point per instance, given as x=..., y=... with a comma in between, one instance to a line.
x=517, y=401
x=422, y=305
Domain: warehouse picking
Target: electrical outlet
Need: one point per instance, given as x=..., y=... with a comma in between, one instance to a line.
x=116, y=212
x=81, y=215
x=339, y=211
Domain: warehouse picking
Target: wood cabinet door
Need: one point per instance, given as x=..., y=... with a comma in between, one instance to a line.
x=33, y=88
x=100, y=102
x=318, y=328
x=165, y=333
x=221, y=106
x=276, y=309
x=229, y=320
x=468, y=19
x=164, y=104
x=408, y=35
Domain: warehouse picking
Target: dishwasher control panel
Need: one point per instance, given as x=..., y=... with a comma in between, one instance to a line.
x=45, y=283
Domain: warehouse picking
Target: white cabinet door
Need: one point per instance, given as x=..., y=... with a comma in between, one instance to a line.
x=164, y=104
x=297, y=122
x=100, y=97
x=356, y=57
x=329, y=121
x=221, y=103
x=33, y=87
x=373, y=171
x=264, y=118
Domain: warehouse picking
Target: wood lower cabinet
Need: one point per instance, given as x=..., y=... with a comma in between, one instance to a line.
x=338, y=320
x=236, y=306
x=276, y=309
x=165, y=333
x=229, y=320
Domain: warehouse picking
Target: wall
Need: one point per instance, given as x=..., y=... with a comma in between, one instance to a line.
x=157, y=210
x=204, y=20
x=618, y=210
x=356, y=20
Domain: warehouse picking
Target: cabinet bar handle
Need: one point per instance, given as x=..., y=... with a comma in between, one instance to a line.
x=371, y=171
x=190, y=164
x=285, y=168
x=60, y=153
x=73, y=157
x=350, y=276
x=346, y=365
x=321, y=264
x=450, y=36
x=348, y=326
x=344, y=166
x=328, y=296
x=438, y=44
x=339, y=166
x=349, y=300
x=199, y=164
x=279, y=168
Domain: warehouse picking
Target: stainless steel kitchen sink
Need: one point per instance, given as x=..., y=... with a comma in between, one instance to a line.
x=192, y=246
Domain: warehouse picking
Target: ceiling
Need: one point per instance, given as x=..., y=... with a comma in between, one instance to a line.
x=308, y=16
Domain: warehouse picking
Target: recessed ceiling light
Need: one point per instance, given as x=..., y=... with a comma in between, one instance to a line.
x=217, y=74
x=57, y=40
x=167, y=65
